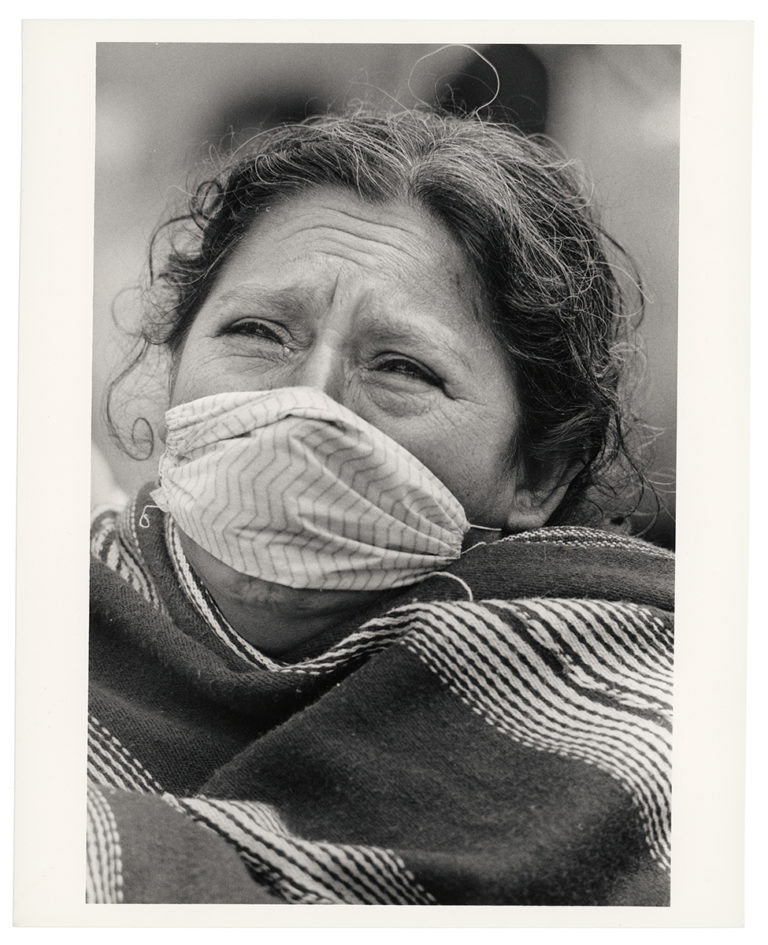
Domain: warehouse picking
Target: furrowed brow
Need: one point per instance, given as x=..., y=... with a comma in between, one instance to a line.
x=386, y=332
x=282, y=301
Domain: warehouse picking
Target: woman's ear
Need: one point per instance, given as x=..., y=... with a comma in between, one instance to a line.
x=535, y=503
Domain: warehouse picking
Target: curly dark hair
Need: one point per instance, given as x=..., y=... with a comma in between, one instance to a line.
x=551, y=274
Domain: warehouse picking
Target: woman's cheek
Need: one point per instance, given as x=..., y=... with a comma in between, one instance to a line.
x=215, y=373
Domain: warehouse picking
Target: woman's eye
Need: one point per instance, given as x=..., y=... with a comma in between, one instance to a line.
x=253, y=328
x=405, y=367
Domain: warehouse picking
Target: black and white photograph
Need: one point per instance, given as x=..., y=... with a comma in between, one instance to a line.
x=383, y=474
x=377, y=630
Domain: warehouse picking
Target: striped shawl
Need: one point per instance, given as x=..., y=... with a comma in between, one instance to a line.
x=499, y=736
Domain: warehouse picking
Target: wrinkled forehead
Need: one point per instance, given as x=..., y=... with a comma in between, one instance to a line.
x=307, y=242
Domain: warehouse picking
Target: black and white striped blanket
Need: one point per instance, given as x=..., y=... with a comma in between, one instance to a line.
x=501, y=736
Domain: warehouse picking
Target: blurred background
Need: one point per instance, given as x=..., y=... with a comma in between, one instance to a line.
x=162, y=109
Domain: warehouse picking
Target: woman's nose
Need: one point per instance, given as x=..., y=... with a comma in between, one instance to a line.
x=322, y=367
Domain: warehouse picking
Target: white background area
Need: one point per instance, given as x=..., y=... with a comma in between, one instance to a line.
x=53, y=501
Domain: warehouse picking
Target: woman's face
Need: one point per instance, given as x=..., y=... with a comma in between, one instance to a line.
x=376, y=306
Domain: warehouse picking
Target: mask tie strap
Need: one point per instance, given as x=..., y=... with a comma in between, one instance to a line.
x=144, y=518
x=453, y=577
x=493, y=534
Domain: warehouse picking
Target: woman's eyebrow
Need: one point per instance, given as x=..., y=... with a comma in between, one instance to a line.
x=295, y=301
x=412, y=333
x=281, y=300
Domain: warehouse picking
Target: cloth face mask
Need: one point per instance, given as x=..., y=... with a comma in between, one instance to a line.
x=291, y=487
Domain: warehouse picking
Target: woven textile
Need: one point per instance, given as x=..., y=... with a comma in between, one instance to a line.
x=499, y=735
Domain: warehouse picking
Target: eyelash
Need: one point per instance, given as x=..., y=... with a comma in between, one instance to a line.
x=257, y=329
x=413, y=368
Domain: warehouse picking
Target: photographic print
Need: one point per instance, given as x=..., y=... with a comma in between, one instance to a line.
x=396, y=347
x=384, y=474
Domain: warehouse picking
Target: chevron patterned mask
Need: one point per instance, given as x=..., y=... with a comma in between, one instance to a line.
x=291, y=487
